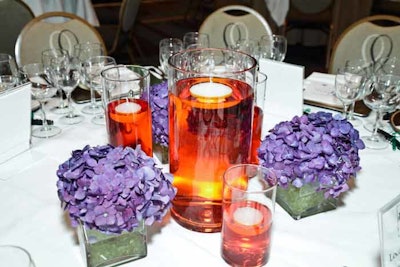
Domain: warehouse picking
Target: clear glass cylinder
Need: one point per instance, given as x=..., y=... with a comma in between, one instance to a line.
x=101, y=249
x=126, y=101
x=211, y=100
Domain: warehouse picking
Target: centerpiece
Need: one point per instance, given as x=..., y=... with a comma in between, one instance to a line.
x=314, y=156
x=111, y=194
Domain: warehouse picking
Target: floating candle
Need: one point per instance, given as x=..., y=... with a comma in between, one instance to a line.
x=247, y=216
x=210, y=92
x=128, y=107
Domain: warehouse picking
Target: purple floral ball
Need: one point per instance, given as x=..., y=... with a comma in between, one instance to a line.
x=111, y=188
x=317, y=148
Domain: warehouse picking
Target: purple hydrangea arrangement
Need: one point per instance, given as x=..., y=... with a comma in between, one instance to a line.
x=159, y=112
x=112, y=189
x=317, y=148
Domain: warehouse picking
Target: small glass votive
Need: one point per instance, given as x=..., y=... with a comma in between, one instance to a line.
x=248, y=207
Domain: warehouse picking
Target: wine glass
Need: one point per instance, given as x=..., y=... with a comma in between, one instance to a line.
x=195, y=40
x=8, y=72
x=367, y=68
x=168, y=47
x=382, y=97
x=47, y=56
x=248, y=46
x=92, y=70
x=42, y=91
x=83, y=52
x=273, y=47
x=348, y=83
x=65, y=72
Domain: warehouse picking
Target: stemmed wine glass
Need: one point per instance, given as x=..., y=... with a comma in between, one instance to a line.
x=84, y=51
x=47, y=57
x=195, y=40
x=42, y=91
x=348, y=83
x=273, y=47
x=248, y=46
x=65, y=72
x=8, y=71
x=382, y=97
x=367, y=67
x=92, y=71
x=168, y=47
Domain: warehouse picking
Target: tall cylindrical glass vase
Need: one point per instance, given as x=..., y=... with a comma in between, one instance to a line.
x=211, y=96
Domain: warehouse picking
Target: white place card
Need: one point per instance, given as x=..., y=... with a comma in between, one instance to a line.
x=284, y=93
x=15, y=121
x=389, y=233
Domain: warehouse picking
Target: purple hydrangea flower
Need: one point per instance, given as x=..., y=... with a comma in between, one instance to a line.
x=113, y=188
x=315, y=148
x=159, y=112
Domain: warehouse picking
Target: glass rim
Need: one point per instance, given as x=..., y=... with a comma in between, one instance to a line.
x=271, y=187
x=222, y=50
x=145, y=76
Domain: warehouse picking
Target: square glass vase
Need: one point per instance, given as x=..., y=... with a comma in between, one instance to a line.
x=100, y=249
x=304, y=201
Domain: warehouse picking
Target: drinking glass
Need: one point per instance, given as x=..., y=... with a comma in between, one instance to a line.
x=15, y=256
x=8, y=72
x=65, y=73
x=211, y=106
x=128, y=114
x=47, y=57
x=273, y=47
x=367, y=68
x=248, y=209
x=168, y=47
x=42, y=91
x=383, y=96
x=348, y=83
x=258, y=117
x=92, y=71
x=248, y=46
x=83, y=52
x=195, y=40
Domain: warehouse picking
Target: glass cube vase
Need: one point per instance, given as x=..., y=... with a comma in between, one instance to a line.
x=304, y=201
x=101, y=249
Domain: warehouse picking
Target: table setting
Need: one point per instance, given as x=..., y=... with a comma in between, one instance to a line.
x=171, y=175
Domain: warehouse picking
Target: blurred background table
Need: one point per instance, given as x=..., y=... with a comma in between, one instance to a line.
x=82, y=8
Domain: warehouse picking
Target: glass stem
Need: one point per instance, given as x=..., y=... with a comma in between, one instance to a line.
x=92, y=97
x=44, y=119
x=351, y=110
x=70, y=109
x=376, y=122
x=345, y=110
x=62, y=102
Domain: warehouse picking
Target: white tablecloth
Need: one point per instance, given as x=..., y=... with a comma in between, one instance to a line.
x=82, y=8
x=31, y=215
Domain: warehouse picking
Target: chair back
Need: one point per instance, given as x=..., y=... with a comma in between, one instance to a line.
x=14, y=14
x=53, y=30
x=370, y=38
x=228, y=24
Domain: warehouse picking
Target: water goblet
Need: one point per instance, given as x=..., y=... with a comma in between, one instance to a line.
x=42, y=91
x=92, y=69
x=383, y=96
x=47, y=56
x=65, y=72
x=348, y=83
x=248, y=46
x=83, y=52
x=195, y=40
x=273, y=47
x=168, y=47
x=8, y=72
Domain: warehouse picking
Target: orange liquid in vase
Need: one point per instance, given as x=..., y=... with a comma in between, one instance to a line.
x=130, y=125
x=206, y=137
